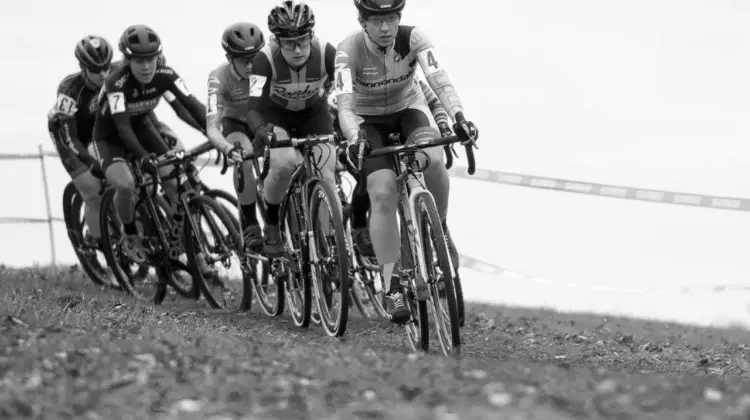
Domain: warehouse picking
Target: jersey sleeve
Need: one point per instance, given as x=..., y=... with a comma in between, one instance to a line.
x=329, y=58
x=65, y=106
x=345, y=69
x=214, y=111
x=436, y=108
x=260, y=89
x=178, y=87
x=436, y=75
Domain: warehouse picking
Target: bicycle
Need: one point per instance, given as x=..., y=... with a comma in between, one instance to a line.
x=88, y=253
x=311, y=270
x=364, y=275
x=425, y=279
x=164, y=242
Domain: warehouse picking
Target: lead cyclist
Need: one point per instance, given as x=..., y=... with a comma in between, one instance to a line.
x=374, y=84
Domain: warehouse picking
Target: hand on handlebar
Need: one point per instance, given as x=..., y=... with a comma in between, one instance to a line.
x=264, y=136
x=465, y=130
x=356, y=150
x=236, y=155
x=150, y=164
x=445, y=129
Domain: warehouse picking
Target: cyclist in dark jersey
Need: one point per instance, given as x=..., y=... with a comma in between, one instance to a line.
x=71, y=124
x=124, y=127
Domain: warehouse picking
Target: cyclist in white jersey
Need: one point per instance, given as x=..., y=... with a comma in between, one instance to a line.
x=375, y=92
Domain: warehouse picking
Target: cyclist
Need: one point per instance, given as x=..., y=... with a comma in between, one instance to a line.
x=123, y=125
x=288, y=86
x=374, y=83
x=226, y=115
x=71, y=125
x=361, y=201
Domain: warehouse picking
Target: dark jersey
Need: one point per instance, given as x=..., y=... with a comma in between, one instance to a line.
x=124, y=97
x=76, y=107
x=124, y=94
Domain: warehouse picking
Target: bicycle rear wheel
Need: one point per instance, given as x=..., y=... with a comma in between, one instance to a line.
x=331, y=273
x=439, y=274
x=74, y=216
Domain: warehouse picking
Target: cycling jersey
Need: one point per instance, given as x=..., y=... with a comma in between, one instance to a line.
x=274, y=83
x=75, y=110
x=127, y=98
x=71, y=122
x=176, y=105
x=433, y=102
x=371, y=81
x=228, y=96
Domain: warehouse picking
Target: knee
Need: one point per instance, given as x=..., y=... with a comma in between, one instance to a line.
x=119, y=176
x=381, y=187
x=88, y=185
x=282, y=164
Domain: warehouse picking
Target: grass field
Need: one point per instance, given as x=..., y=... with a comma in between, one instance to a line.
x=70, y=350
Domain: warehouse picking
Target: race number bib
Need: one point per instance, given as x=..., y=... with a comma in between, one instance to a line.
x=116, y=102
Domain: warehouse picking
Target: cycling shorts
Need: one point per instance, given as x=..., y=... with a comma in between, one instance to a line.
x=309, y=121
x=411, y=123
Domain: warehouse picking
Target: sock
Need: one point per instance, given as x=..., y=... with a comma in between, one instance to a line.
x=273, y=213
x=130, y=228
x=388, y=273
x=360, y=206
x=249, y=217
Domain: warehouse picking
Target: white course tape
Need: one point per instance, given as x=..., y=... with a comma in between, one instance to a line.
x=605, y=190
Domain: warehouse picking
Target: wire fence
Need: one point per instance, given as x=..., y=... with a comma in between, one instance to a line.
x=493, y=176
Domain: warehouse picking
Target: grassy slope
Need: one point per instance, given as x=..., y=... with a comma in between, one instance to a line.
x=69, y=350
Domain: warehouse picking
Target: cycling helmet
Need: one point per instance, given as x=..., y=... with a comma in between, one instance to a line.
x=242, y=39
x=379, y=7
x=140, y=41
x=291, y=19
x=94, y=53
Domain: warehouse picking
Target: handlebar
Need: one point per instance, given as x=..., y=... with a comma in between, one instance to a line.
x=424, y=144
x=171, y=158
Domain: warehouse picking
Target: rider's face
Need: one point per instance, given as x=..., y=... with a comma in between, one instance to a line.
x=143, y=69
x=297, y=50
x=243, y=65
x=382, y=28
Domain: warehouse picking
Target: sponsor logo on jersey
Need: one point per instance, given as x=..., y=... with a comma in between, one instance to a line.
x=295, y=93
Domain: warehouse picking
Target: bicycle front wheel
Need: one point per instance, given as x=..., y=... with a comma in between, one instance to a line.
x=330, y=267
x=213, y=253
x=438, y=274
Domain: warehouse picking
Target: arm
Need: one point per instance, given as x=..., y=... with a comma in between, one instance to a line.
x=344, y=88
x=260, y=89
x=329, y=58
x=213, y=114
x=437, y=77
x=195, y=109
x=64, y=112
x=437, y=109
x=181, y=111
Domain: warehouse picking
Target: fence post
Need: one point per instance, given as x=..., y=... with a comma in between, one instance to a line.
x=49, y=207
